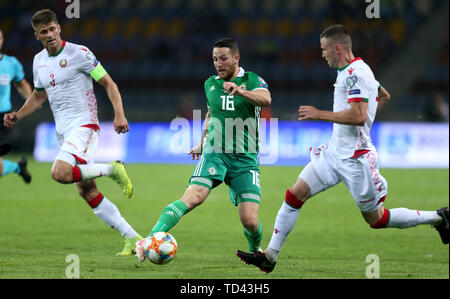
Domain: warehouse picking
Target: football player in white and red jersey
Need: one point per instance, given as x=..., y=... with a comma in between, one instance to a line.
x=63, y=73
x=349, y=157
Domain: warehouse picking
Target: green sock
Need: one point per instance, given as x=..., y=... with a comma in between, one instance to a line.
x=170, y=216
x=254, y=239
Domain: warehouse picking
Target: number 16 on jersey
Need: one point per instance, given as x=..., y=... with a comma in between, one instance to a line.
x=227, y=103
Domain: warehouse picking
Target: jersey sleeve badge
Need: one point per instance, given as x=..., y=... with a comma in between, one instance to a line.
x=262, y=82
x=351, y=81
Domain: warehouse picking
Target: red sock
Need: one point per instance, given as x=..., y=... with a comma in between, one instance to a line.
x=382, y=223
x=292, y=200
x=76, y=174
x=96, y=201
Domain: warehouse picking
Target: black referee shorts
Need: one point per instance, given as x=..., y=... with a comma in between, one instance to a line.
x=5, y=136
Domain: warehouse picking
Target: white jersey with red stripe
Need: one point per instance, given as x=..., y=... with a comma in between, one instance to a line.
x=66, y=78
x=355, y=83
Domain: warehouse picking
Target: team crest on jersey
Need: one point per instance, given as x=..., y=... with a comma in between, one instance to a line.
x=212, y=170
x=243, y=86
x=351, y=81
x=89, y=55
x=63, y=63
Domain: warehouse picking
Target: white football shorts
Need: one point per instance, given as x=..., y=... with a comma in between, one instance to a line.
x=78, y=145
x=359, y=174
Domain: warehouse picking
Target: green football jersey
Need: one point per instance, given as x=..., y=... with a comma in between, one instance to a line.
x=234, y=122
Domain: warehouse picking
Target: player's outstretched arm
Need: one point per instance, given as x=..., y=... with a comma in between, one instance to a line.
x=33, y=103
x=23, y=88
x=355, y=116
x=120, y=121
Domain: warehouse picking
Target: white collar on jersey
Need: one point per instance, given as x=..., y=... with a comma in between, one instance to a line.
x=240, y=74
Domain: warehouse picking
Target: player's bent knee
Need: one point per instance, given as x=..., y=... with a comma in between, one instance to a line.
x=61, y=176
x=300, y=190
x=62, y=172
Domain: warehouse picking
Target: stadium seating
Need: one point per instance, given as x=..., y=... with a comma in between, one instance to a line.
x=160, y=43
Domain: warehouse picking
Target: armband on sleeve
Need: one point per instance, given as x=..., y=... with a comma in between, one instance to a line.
x=98, y=72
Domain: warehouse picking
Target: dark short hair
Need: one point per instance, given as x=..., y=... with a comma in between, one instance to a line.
x=43, y=16
x=229, y=43
x=338, y=34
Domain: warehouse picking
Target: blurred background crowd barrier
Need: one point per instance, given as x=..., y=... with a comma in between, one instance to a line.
x=399, y=144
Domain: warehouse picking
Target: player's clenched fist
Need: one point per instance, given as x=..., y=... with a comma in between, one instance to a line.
x=121, y=125
x=10, y=119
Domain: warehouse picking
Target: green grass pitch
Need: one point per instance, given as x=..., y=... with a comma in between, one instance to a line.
x=41, y=224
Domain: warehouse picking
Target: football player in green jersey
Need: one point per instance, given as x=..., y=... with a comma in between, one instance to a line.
x=228, y=151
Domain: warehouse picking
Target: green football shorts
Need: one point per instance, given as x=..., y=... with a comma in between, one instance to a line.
x=240, y=173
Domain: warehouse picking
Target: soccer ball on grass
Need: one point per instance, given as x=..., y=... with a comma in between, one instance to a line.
x=160, y=248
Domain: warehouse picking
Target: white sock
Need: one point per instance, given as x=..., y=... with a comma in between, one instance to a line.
x=284, y=223
x=109, y=213
x=95, y=170
x=404, y=218
x=271, y=254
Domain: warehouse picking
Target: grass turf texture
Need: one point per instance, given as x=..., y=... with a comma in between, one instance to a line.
x=42, y=223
